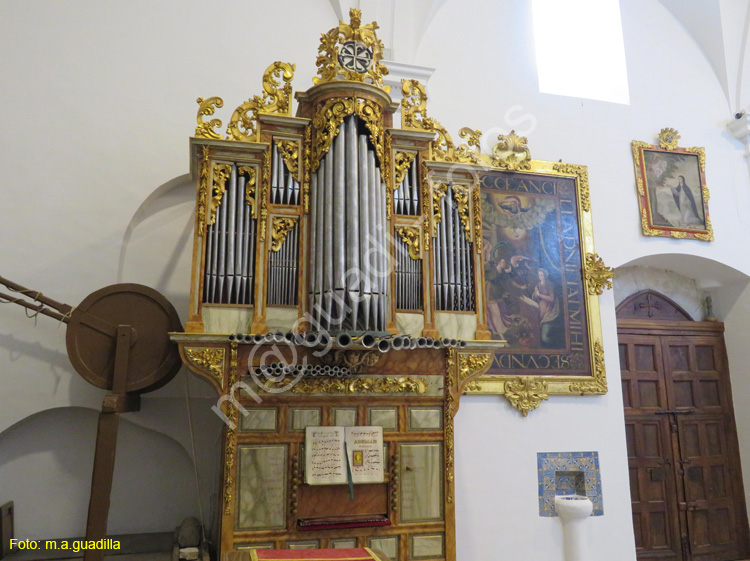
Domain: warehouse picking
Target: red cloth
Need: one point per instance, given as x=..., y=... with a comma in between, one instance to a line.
x=353, y=554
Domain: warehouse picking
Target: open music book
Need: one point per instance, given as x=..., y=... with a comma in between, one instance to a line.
x=328, y=450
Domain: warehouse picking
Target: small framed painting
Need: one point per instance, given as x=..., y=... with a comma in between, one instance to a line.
x=672, y=191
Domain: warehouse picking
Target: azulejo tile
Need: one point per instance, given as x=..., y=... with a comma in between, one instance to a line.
x=568, y=473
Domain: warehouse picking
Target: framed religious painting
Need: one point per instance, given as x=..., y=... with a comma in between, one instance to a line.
x=541, y=282
x=672, y=191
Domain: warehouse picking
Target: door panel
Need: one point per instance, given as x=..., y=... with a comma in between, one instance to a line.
x=694, y=367
x=650, y=457
x=652, y=489
x=643, y=381
x=709, y=495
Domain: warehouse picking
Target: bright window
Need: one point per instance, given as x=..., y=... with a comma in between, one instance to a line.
x=579, y=49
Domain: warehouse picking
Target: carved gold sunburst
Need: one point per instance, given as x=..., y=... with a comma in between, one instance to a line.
x=668, y=138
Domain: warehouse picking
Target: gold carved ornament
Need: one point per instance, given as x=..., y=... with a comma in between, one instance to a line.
x=280, y=228
x=450, y=383
x=596, y=274
x=439, y=190
x=307, y=155
x=379, y=385
x=526, y=393
x=353, y=359
x=637, y=147
x=207, y=107
x=460, y=370
x=461, y=195
x=243, y=123
x=414, y=116
x=471, y=151
x=349, y=36
x=390, y=187
x=394, y=482
x=511, y=152
x=701, y=152
x=231, y=436
x=203, y=191
x=401, y=164
x=251, y=174
x=599, y=384
x=264, y=188
x=289, y=151
x=647, y=230
x=372, y=115
x=668, y=138
x=469, y=368
x=296, y=481
x=210, y=360
x=326, y=123
x=477, y=201
x=709, y=235
x=583, y=181
x=410, y=236
x=221, y=174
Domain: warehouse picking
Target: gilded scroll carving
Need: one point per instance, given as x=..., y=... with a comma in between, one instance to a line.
x=599, y=383
x=379, y=385
x=206, y=108
x=596, y=274
x=203, y=191
x=410, y=236
x=526, y=393
x=280, y=228
x=221, y=174
x=210, y=360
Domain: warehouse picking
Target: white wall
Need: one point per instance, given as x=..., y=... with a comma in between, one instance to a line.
x=97, y=104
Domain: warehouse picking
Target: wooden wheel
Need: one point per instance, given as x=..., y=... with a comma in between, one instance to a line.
x=91, y=337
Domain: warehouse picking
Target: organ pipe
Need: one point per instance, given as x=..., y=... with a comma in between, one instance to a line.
x=453, y=275
x=230, y=247
x=348, y=290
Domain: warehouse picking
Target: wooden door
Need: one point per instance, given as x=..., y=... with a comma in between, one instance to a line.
x=686, y=487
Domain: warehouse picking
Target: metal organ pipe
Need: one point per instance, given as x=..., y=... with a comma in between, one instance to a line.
x=352, y=270
x=374, y=256
x=230, y=247
x=454, y=278
x=282, y=271
x=348, y=232
x=406, y=195
x=364, y=231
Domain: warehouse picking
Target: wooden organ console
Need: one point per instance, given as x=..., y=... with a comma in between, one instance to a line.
x=336, y=281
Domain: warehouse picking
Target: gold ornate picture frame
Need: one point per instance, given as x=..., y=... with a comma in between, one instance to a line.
x=672, y=192
x=542, y=280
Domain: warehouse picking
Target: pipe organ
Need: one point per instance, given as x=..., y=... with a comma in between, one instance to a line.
x=350, y=251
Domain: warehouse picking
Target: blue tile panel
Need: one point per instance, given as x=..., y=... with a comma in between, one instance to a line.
x=568, y=473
